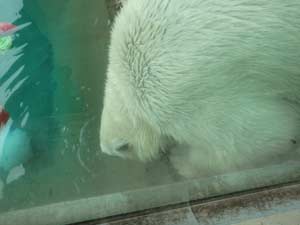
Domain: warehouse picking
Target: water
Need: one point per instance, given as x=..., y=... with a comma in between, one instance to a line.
x=57, y=100
x=52, y=83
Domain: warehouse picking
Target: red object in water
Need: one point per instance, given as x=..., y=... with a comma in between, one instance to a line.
x=6, y=26
x=4, y=116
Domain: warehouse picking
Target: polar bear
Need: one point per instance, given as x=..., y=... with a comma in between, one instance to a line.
x=216, y=84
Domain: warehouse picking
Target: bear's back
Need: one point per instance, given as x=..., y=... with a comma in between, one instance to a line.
x=176, y=56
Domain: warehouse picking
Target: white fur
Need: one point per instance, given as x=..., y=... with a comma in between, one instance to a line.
x=220, y=79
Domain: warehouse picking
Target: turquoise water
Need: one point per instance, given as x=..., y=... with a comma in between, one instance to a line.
x=53, y=91
x=51, y=83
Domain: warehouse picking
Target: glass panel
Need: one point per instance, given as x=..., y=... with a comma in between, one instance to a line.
x=53, y=67
x=51, y=84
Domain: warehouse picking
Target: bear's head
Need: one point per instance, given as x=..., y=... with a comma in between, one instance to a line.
x=131, y=124
x=125, y=130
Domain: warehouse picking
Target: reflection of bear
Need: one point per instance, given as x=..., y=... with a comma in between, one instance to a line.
x=219, y=79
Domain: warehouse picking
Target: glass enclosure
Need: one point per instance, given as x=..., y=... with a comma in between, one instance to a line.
x=52, y=79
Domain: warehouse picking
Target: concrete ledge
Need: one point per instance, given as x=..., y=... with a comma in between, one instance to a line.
x=105, y=207
x=268, y=207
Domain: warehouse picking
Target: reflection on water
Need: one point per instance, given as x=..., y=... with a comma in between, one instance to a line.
x=51, y=83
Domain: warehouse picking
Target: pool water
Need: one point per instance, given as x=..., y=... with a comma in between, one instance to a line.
x=52, y=86
x=51, y=83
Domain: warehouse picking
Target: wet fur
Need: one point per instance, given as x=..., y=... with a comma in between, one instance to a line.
x=219, y=78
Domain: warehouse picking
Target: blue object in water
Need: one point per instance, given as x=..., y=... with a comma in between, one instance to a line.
x=27, y=84
x=15, y=147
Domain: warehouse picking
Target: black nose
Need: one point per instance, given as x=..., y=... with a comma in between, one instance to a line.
x=122, y=147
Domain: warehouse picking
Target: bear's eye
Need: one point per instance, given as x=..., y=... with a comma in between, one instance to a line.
x=123, y=147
